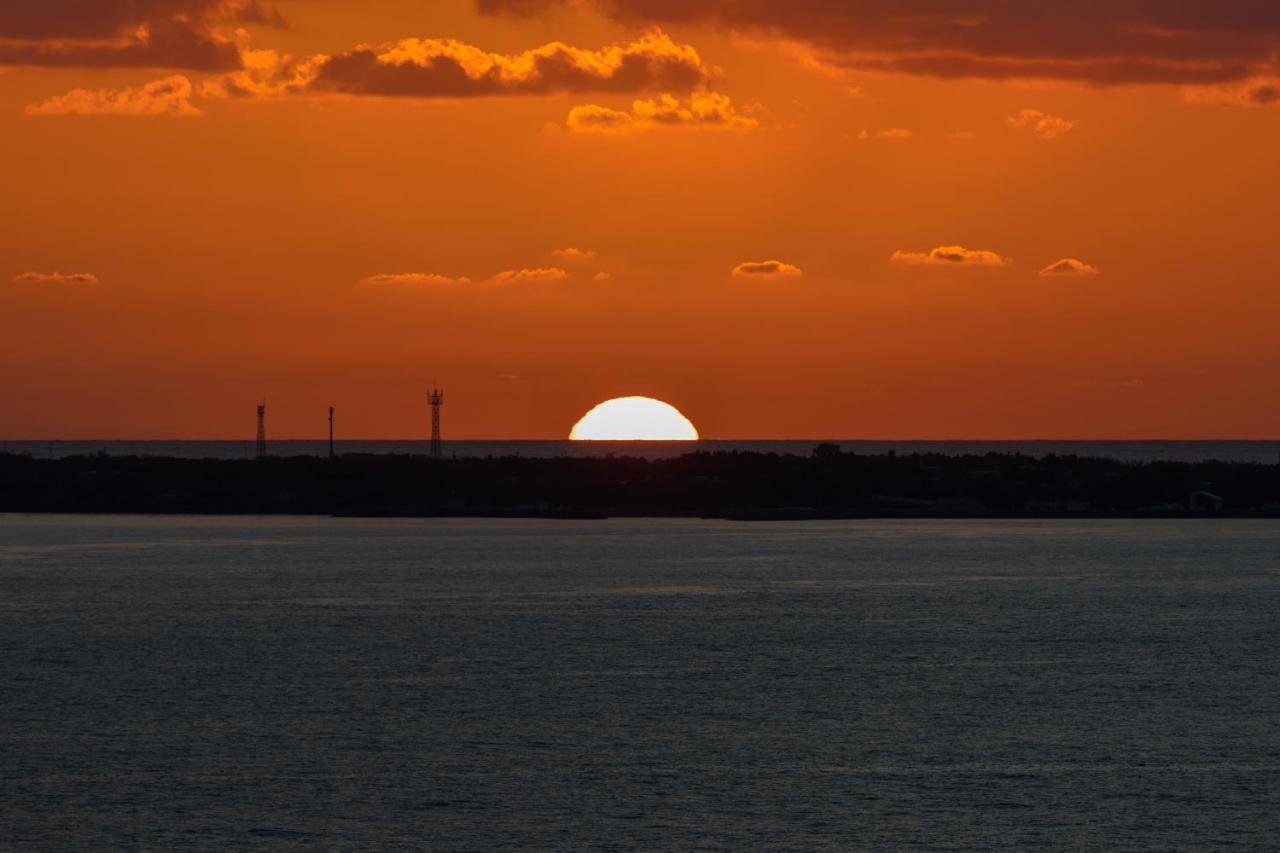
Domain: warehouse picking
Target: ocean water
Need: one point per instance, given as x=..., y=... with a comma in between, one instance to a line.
x=1265, y=452
x=297, y=683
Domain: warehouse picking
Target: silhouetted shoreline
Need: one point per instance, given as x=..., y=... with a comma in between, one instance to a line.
x=748, y=486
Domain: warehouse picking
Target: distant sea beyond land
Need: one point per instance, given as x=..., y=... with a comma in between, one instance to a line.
x=1266, y=452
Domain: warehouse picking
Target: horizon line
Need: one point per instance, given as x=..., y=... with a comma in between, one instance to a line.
x=566, y=440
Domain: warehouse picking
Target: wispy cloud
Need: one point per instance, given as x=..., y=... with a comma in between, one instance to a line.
x=1043, y=125
x=572, y=254
x=168, y=97
x=55, y=278
x=700, y=109
x=891, y=133
x=413, y=279
x=528, y=275
x=427, y=279
x=1068, y=267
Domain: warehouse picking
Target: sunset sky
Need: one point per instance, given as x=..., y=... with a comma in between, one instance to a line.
x=860, y=219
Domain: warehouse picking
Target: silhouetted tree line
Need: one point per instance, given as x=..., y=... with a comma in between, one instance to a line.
x=727, y=484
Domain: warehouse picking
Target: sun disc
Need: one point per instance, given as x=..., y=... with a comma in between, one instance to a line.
x=634, y=419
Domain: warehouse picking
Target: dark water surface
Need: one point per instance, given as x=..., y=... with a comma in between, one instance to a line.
x=476, y=685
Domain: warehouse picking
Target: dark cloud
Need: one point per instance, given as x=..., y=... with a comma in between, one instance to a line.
x=92, y=19
x=447, y=68
x=1096, y=41
x=1265, y=94
x=1262, y=91
x=126, y=33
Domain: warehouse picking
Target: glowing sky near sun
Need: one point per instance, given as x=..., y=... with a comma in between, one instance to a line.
x=815, y=219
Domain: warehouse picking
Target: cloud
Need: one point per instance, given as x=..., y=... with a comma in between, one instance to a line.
x=573, y=254
x=701, y=109
x=445, y=68
x=766, y=269
x=55, y=278
x=427, y=279
x=262, y=74
x=592, y=118
x=885, y=133
x=1042, y=124
x=413, y=279
x=602, y=276
x=528, y=275
x=1069, y=267
x=126, y=33
x=944, y=256
x=1112, y=42
x=1262, y=91
x=168, y=97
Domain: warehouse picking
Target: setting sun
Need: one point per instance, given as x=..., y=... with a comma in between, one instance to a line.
x=634, y=419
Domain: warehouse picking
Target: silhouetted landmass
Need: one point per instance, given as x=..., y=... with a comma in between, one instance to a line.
x=828, y=484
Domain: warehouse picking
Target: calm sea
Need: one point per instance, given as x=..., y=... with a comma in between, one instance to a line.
x=316, y=684
x=1267, y=452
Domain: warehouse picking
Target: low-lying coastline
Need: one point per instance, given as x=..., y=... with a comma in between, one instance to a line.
x=828, y=483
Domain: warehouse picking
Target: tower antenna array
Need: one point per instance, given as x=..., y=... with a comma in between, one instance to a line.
x=261, y=451
x=436, y=399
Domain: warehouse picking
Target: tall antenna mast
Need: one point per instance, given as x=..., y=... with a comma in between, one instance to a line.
x=331, y=432
x=436, y=399
x=262, y=431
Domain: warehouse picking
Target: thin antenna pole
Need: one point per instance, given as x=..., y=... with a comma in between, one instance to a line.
x=262, y=431
x=436, y=399
x=331, y=432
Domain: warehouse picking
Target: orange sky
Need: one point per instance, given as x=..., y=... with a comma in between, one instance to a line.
x=208, y=202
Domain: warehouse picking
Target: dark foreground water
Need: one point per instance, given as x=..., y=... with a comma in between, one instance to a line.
x=476, y=685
